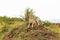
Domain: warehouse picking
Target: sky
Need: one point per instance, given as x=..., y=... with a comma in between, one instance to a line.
x=44, y=9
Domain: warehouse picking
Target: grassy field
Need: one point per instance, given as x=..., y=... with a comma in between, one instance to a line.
x=17, y=29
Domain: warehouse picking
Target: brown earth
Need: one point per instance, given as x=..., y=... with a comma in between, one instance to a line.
x=34, y=33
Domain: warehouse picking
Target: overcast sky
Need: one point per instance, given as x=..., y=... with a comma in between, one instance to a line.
x=44, y=9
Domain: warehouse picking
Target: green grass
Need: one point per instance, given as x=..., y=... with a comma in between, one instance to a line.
x=19, y=28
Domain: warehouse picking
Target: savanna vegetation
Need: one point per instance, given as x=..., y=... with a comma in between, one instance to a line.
x=17, y=28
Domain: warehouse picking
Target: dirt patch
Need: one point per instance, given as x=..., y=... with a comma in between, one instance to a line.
x=33, y=33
